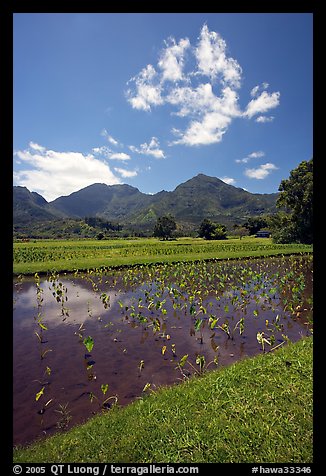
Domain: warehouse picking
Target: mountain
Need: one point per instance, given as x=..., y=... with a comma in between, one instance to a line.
x=192, y=201
x=113, y=202
x=30, y=206
x=209, y=197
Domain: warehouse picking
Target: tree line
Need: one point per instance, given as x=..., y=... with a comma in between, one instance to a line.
x=293, y=223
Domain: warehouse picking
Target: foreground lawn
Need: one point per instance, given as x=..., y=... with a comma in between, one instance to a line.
x=256, y=410
x=43, y=256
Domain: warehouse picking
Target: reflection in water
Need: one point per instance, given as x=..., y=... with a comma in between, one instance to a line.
x=139, y=334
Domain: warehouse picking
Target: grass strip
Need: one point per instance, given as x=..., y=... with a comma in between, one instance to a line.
x=258, y=410
x=46, y=256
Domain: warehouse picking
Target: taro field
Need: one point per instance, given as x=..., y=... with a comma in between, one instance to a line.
x=86, y=341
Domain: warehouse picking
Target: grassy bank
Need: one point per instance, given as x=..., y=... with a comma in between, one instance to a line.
x=257, y=410
x=43, y=256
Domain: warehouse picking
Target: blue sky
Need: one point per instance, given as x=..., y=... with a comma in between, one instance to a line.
x=154, y=99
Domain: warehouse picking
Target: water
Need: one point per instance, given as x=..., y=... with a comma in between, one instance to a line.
x=139, y=316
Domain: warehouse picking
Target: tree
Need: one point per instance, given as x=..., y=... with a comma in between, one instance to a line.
x=212, y=231
x=296, y=198
x=254, y=224
x=164, y=227
x=240, y=231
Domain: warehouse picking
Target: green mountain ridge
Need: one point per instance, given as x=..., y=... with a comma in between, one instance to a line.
x=29, y=206
x=198, y=198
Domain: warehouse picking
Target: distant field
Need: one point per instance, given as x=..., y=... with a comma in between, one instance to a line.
x=46, y=255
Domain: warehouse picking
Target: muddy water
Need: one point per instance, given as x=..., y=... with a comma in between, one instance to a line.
x=54, y=359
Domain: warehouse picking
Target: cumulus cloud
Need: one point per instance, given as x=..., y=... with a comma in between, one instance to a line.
x=125, y=173
x=109, y=138
x=120, y=156
x=107, y=153
x=37, y=147
x=264, y=102
x=205, y=93
x=213, y=61
x=52, y=173
x=148, y=89
x=207, y=131
x=260, y=172
x=254, y=155
x=259, y=87
x=172, y=59
x=152, y=149
x=228, y=180
x=263, y=119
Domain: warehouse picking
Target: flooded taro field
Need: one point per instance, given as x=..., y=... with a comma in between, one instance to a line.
x=86, y=341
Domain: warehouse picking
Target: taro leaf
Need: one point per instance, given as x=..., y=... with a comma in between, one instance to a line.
x=39, y=394
x=42, y=326
x=104, y=388
x=214, y=345
x=88, y=343
x=183, y=360
x=200, y=360
x=91, y=396
x=213, y=323
x=192, y=309
x=146, y=387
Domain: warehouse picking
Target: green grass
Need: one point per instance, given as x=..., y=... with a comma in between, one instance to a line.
x=257, y=410
x=46, y=255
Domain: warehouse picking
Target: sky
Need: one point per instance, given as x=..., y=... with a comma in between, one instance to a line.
x=153, y=99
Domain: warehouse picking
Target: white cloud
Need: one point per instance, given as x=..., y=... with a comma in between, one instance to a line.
x=256, y=155
x=259, y=87
x=119, y=156
x=109, y=154
x=206, y=92
x=209, y=130
x=110, y=139
x=261, y=172
x=37, y=147
x=172, y=59
x=212, y=59
x=52, y=173
x=228, y=180
x=254, y=91
x=152, y=149
x=264, y=102
x=126, y=173
x=200, y=100
x=253, y=155
x=148, y=90
x=264, y=119
x=214, y=114
x=103, y=150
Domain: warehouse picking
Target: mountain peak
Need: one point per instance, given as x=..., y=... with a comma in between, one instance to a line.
x=199, y=197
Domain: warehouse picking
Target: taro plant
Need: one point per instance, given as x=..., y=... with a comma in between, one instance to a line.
x=199, y=327
x=200, y=361
x=88, y=343
x=105, y=403
x=39, y=394
x=141, y=365
x=105, y=298
x=65, y=416
x=262, y=340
